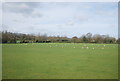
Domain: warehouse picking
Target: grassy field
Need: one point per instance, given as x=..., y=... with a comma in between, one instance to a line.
x=60, y=61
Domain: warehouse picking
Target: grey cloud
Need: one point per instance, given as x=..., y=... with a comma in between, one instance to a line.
x=19, y=21
x=26, y=8
x=0, y=5
x=17, y=8
x=81, y=18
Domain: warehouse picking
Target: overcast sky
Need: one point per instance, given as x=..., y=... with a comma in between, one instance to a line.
x=61, y=18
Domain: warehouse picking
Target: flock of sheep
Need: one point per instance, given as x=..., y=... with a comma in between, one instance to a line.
x=83, y=46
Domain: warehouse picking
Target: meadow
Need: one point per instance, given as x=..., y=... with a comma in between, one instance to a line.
x=60, y=61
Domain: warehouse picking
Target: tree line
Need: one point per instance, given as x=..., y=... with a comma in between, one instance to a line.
x=9, y=37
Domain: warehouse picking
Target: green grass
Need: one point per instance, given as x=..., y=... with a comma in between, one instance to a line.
x=60, y=61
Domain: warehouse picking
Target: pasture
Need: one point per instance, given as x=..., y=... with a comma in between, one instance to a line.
x=60, y=61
